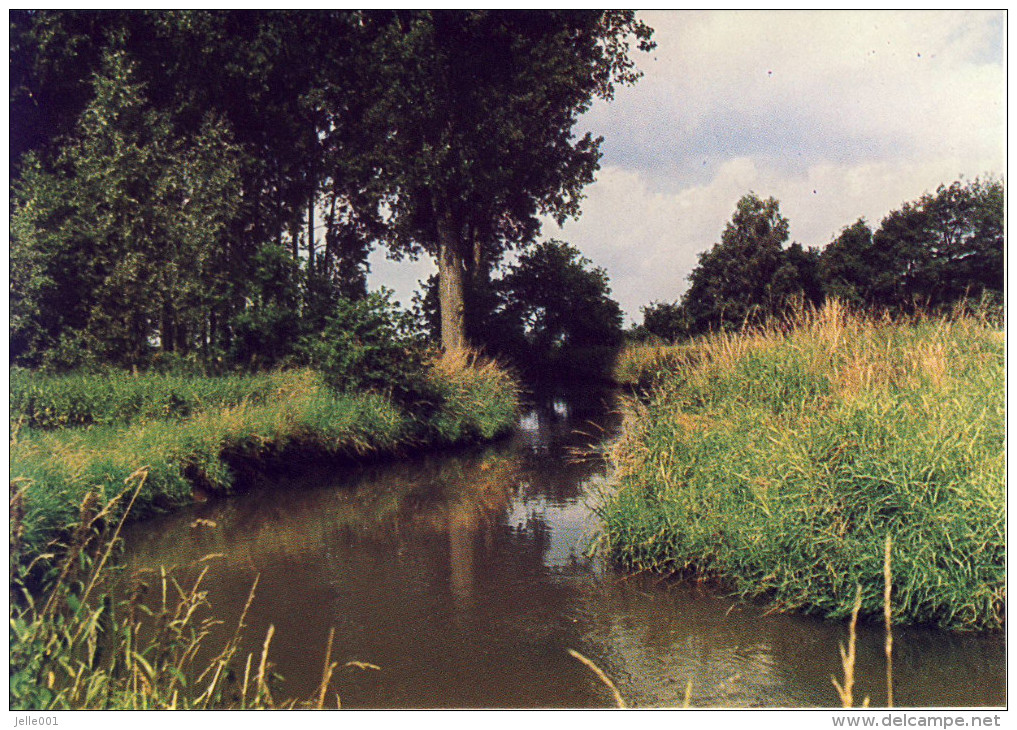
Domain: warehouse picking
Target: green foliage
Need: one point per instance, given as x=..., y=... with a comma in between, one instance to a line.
x=851, y=267
x=930, y=254
x=266, y=331
x=550, y=313
x=369, y=344
x=559, y=300
x=469, y=163
x=119, y=245
x=780, y=461
x=135, y=132
x=664, y=320
x=749, y=276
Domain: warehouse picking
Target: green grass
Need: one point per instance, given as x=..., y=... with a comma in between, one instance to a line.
x=640, y=365
x=779, y=462
x=77, y=399
x=150, y=440
x=54, y=469
x=78, y=644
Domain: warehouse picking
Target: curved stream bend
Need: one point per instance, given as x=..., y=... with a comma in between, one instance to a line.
x=467, y=576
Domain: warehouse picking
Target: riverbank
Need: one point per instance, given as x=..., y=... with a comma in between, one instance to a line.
x=79, y=439
x=779, y=462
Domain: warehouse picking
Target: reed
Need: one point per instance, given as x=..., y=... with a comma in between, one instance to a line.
x=619, y=702
x=780, y=460
x=294, y=412
x=77, y=645
x=845, y=690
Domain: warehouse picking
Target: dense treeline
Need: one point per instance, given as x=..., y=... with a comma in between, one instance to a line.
x=206, y=186
x=944, y=248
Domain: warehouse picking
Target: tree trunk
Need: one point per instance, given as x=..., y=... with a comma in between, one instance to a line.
x=330, y=233
x=310, y=235
x=451, y=275
x=183, y=339
x=166, y=337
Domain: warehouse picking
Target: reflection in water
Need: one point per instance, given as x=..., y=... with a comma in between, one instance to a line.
x=466, y=576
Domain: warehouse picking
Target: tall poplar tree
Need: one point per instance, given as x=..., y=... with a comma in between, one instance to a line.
x=480, y=110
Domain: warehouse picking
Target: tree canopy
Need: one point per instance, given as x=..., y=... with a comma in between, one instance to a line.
x=749, y=274
x=480, y=109
x=162, y=160
x=558, y=300
x=943, y=248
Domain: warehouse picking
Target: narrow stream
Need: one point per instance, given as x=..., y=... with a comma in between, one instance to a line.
x=466, y=577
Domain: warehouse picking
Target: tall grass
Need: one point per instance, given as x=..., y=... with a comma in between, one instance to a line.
x=291, y=413
x=640, y=365
x=781, y=460
x=76, y=646
x=77, y=399
x=479, y=398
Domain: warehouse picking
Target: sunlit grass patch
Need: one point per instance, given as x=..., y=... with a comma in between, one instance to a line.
x=780, y=460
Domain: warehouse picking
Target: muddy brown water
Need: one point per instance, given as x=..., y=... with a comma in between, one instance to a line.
x=462, y=579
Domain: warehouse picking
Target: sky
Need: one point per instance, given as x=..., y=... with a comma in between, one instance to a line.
x=840, y=115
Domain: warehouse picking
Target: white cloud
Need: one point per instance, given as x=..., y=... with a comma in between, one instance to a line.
x=806, y=86
x=837, y=114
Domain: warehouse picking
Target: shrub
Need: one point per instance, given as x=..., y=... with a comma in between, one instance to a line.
x=368, y=344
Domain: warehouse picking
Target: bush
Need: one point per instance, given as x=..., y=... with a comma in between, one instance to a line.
x=368, y=344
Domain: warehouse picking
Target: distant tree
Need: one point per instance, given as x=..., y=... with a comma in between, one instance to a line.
x=560, y=300
x=850, y=265
x=964, y=241
x=664, y=320
x=797, y=278
x=734, y=280
x=929, y=253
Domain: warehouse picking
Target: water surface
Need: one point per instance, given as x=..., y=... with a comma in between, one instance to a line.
x=465, y=577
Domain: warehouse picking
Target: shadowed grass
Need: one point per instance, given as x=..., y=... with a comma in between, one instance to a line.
x=781, y=460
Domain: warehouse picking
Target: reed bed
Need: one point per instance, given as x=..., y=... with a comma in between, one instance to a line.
x=292, y=413
x=781, y=460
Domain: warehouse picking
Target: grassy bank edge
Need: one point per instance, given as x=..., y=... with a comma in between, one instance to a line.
x=779, y=461
x=54, y=472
